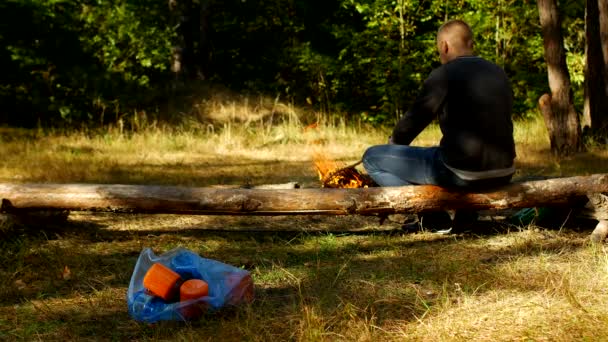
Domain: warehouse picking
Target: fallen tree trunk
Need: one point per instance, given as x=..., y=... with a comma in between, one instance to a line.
x=366, y=201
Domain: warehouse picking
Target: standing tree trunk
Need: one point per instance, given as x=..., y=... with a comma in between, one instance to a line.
x=596, y=73
x=192, y=50
x=563, y=126
x=203, y=52
x=183, y=64
x=603, y=15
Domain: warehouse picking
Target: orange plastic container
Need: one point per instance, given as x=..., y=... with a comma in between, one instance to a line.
x=242, y=288
x=163, y=282
x=192, y=289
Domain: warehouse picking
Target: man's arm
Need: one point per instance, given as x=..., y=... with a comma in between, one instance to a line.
x=423, y=111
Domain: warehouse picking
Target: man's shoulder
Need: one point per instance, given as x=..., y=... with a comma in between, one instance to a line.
x=473, y=64
x=438, y=73
x=468, y=60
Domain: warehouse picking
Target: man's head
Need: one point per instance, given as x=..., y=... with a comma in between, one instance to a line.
x=454, y=39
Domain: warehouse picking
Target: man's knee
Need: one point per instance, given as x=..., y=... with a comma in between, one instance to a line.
x=372, y=150
x=370, y=155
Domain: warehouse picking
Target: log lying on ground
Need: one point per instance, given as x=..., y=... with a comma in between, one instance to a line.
x=366, y=201
x=282, y=186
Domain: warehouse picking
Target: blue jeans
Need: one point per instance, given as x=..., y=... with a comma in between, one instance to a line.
x=397, y=165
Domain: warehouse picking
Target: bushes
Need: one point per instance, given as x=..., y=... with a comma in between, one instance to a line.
x=66, y=62
x=71, y=62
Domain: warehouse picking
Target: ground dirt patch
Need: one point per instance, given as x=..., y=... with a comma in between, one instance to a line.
x=316, y=278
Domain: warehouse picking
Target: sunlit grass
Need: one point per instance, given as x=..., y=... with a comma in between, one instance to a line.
x=189, y=156
x=234, y=150
x=315, y=279
x=230, y=152
x=532, y=284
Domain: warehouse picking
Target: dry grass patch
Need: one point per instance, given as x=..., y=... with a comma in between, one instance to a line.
x=312, y=287
x=232, y=155
x=317, y=278
x=546, y=297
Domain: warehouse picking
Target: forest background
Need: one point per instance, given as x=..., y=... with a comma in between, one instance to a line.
x=130, y=92
x=97, y=62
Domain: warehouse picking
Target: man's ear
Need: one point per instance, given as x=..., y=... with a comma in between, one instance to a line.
x=444, y=47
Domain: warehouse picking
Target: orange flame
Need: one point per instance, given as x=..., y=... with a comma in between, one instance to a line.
x=334, y=174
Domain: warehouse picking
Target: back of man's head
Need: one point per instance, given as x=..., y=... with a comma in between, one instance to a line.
x=458, y=35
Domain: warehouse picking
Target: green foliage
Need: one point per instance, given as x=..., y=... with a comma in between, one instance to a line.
x=507, y=32
x=69, y=61
x=66, y=62
x=387, y=60
x=368, y=57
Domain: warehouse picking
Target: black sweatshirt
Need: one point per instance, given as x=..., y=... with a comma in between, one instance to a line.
x=473, y=100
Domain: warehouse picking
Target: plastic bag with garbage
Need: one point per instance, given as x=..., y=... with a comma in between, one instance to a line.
x=180, y=285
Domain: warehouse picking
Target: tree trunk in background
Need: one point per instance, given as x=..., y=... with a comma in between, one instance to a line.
x=564, y=125
x=203, y=51
x=186, y=18
x=544, y=104
x=596, y=74
x=603, y=15
x=195, y=30
x=177, y=58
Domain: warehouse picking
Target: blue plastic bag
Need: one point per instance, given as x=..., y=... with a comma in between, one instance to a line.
x=228, y=285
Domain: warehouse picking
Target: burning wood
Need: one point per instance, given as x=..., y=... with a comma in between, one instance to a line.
x=339, y=175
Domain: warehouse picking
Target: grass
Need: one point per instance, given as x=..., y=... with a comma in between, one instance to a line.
x=317, y=278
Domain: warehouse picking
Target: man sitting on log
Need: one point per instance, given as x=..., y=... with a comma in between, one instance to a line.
x=473, y=100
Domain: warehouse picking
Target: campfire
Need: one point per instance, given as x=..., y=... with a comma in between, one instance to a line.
x=335, y=174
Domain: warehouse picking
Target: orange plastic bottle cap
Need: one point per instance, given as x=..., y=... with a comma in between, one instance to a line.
x=162, y=281
x=192, y=289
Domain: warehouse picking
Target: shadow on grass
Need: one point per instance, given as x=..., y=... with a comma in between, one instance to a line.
x=386, y=276
x=389, y=278
x=106, y=257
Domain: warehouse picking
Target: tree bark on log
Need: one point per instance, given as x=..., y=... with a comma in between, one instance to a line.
x=365, y=201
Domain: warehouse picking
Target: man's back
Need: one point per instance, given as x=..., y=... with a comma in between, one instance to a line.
x=476, y=116
x=473, y=100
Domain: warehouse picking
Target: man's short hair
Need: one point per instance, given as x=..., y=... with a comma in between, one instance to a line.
x=456, y=31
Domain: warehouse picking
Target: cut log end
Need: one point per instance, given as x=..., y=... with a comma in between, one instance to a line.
x=600, y=232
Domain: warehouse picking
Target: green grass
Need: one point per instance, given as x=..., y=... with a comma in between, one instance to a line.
x=316, y=278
